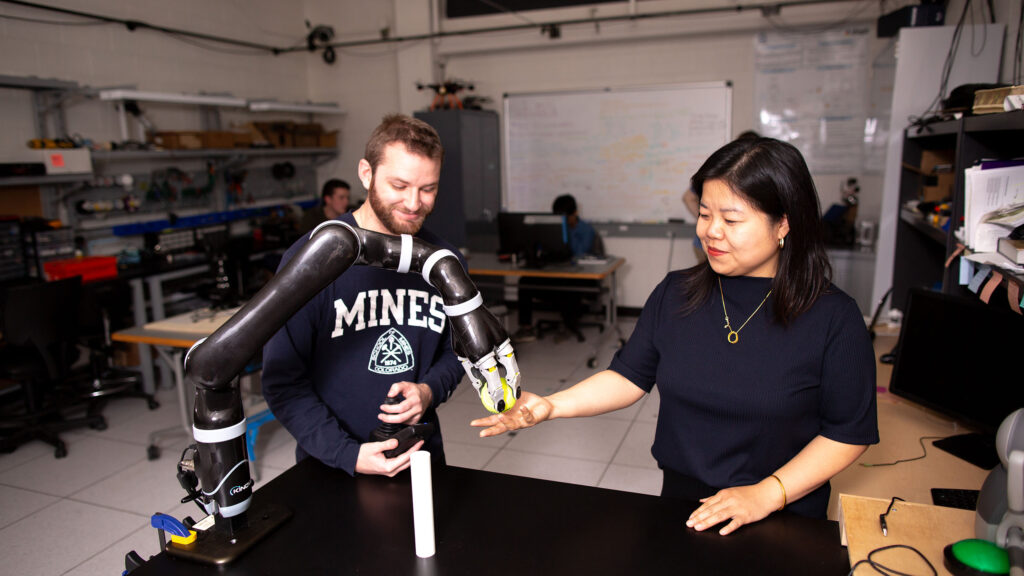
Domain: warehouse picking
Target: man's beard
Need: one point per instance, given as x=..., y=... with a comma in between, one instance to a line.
x=387, y=217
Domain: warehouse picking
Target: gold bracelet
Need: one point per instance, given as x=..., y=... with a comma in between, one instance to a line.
x=783, y=486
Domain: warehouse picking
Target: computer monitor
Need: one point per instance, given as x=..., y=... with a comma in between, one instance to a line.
x=538, y=238
x=961, y=357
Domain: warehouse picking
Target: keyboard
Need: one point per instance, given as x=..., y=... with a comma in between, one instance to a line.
x=955, y=498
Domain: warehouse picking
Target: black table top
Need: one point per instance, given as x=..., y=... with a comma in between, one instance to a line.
x=489, y=523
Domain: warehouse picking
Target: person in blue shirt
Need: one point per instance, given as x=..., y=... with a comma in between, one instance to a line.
x=581, y=233
x=583, y=241
x=371, y=334
x=765, y=369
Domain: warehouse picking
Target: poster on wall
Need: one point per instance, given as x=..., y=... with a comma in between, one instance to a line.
x=810, y=89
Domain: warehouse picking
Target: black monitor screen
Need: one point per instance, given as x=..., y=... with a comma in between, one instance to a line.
x=539, y=238
x=960, y=357
x=510, y=232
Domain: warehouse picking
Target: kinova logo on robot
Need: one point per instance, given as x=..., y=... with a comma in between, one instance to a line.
x=238, y=489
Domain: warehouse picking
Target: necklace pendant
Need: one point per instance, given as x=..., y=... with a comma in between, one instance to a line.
x=733, y=337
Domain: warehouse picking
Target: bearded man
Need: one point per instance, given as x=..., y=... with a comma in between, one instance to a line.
x=372, y=334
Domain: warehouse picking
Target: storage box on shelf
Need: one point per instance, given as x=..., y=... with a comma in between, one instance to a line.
x=90, y=268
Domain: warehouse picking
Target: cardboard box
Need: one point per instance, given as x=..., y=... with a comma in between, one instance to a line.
x=311, y=128
x=329, y=139
x=177, y=140
x=306, y=140
x=243, y=139
x=278, y=134
x=213, y=139
x=938, y=175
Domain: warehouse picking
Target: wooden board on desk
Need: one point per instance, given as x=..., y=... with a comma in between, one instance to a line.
x=202, y=322
x=927, y=528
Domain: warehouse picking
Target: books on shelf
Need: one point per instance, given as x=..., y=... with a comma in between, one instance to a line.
x=993, y=203
x=1013, y=250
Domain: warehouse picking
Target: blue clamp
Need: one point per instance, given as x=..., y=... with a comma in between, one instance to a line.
x=168, y=523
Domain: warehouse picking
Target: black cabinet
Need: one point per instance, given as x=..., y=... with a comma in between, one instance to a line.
x=469, y=195
x=922, y=248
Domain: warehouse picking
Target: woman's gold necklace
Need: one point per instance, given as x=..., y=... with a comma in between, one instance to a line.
x=734, y=335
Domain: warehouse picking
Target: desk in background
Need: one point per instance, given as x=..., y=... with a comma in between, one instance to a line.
x=172, y=337
x=487, y=265
x=489, y=523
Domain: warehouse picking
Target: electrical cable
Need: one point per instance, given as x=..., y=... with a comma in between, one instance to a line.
x=886, y=570
x=55, y=22
x=947, y=68
x=198, y=44
x=735, y=9
x=924, y=452
x=133, y=25
x=984, y=32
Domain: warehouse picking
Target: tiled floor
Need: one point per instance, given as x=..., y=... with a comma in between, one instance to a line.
x=81, y=514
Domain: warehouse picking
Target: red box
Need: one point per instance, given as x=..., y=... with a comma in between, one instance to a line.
x=89, y=268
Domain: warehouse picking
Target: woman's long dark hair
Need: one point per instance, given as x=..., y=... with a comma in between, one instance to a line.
x=774, y=178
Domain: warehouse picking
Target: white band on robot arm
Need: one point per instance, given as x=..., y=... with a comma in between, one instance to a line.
x=431, y=261
x=326, y=223
x=220, y=434
x=406, y=258
x=465, y=307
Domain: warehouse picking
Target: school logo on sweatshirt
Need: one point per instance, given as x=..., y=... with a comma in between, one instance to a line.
x=392, y=354
x=372, y=308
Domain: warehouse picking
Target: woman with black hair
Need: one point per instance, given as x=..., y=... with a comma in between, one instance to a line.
x=765, y=369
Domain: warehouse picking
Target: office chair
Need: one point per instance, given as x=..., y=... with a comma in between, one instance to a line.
x=573, y=306
x=105, y=305
x=40, y=328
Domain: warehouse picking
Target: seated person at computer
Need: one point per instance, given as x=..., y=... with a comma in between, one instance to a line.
x=765, y=369
x=335, y=198
x=583, y=241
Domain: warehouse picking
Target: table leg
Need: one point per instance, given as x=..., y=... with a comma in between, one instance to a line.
x=156, y=302
x=173, y=359
x=145, y=352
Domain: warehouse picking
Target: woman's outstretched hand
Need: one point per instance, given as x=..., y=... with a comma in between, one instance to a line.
x=529, y=410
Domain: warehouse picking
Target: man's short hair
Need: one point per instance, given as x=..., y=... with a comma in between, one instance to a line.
x=416, y=135
x=330, y=185
x=564, y=204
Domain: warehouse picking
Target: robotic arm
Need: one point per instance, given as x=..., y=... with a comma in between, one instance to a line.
x=220, y=461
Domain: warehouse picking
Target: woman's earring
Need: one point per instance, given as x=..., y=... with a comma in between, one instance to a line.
x=782, y=243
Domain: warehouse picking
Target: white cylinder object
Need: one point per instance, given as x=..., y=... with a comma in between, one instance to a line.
x=422, y=504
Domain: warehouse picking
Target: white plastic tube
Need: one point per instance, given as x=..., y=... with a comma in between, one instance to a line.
x=422, y=504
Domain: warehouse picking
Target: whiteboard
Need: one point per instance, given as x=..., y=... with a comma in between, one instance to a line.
x=625, y=154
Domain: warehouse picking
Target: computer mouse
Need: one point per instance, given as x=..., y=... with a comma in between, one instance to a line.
x=975, y=557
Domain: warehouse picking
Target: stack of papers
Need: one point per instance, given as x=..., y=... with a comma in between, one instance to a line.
x=993, y=203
